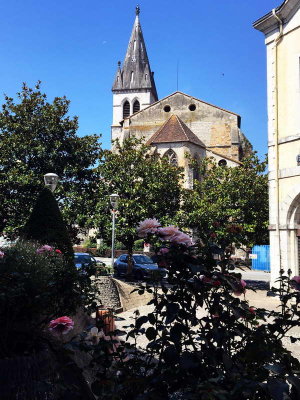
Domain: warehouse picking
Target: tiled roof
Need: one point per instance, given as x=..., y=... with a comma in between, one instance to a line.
x=174, y=130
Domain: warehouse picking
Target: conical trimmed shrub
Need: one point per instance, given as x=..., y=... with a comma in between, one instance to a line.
x=46, y=225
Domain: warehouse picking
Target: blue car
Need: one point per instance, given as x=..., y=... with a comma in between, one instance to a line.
x=143, y=267
x=84, y=262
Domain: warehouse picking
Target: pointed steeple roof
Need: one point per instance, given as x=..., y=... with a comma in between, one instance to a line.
x=135, y=72
x=174, y=130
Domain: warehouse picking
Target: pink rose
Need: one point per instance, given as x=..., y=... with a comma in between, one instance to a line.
x=168, y=232
x=44, y=249
x=2, y=254
x=57, y=251
x=62, y=325
x=147, y=226
x=182, y=238
x=240, y=288
x=295, y=282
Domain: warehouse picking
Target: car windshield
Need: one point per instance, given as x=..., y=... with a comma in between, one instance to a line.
x=142, y=259
x=83, y=259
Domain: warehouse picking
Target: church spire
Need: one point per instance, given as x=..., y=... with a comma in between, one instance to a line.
x=135, y=74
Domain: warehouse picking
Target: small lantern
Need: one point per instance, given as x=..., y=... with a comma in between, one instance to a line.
x=114, y=199
x=51, y=181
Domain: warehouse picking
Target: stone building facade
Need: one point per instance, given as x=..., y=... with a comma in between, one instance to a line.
x=177, y=125
x=281, y=28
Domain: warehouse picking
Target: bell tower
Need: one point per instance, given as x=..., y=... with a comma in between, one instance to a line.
x=134, y=87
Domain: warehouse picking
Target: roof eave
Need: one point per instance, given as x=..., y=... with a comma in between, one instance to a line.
x=268, y=22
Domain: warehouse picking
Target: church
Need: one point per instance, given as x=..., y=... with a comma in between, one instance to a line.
x=179, y=126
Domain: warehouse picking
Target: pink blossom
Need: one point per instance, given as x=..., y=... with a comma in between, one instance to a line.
x=2, y=254
x=240, y=288
x=44, y=249
x=163, y=250
x=182, y=238
x=57, y=251
x=62, y=325
x=147, y=226
x=168, y=232
x=295, y=282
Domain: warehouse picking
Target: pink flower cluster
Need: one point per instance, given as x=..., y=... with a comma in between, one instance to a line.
x=295, y=282
x=170, y=233
x=2, y=254
x=47, y=249
x=44, y=249
x=147, y=226
x=61, y=326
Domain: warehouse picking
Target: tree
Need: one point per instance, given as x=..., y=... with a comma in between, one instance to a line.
x=37, y=137
x=46, y=226
x=229, y=204
x=148, y=186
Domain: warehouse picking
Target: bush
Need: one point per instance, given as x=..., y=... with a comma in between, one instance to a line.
x=46, y=226
x=102, y=250
x=90, y=242
x=205, y=341
x=36, y=286
x=138, y=245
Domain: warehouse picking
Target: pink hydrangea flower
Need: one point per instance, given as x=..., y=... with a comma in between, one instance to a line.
x=168, y=232
x=44, y=249
x=240, y=289
x=295, y=282
x=182, y=238
x=148, y=226
x=2, y=254
x=62, y=325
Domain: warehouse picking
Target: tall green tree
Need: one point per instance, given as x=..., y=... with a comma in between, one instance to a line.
x=148, y=186
x=37, y=137
x=46, y=225
x=228, y=204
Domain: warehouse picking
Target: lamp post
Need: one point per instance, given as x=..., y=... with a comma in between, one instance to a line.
x=51, y=181
x=114, y=198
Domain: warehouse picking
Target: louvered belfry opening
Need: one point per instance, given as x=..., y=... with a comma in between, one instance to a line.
x=126, y=109
x=136, y=106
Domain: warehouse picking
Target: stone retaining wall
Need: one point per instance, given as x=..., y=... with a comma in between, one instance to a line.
x=117, y=294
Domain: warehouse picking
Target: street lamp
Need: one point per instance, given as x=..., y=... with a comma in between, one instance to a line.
x=51, y=181
x=114, y=198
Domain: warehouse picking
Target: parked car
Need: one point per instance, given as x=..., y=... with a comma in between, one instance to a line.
x=85, y=261
x=143, y=267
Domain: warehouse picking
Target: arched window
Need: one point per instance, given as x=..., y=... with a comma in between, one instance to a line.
x=171, y=156
x=136, y=106
x=126, y=109
x=196, y=172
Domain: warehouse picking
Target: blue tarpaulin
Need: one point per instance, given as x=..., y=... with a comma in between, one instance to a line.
x=261, y=258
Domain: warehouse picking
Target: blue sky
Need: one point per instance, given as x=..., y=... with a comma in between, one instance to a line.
x=73, y=48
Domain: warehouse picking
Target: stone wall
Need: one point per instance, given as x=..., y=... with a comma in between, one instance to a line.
x=118, y=295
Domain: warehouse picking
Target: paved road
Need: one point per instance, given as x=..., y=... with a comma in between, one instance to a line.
x=246, y=274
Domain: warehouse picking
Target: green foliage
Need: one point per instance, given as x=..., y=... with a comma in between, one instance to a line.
x=90, y=242
x=34, y=289
x=38, y=137
x=138, y=244
x=147, y=184
x=45, y=225
x=102, y=249
x=229, y=204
